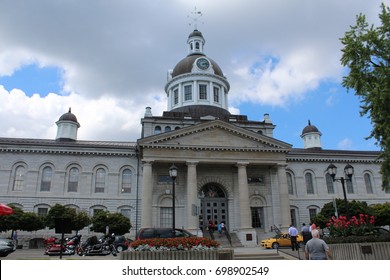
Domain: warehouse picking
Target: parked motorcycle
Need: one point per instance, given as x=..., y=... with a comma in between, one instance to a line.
x=94, y=246
x=68, y=247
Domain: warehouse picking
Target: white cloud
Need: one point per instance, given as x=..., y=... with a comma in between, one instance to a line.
x=345, y=144
x=114, y=55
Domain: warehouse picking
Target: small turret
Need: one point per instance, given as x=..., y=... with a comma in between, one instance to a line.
x=67, y=127
x=311, y=137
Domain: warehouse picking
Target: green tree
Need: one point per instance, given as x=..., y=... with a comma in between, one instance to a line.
x=21, y=220
x=78, y=220
x=116, y=222
x=366, y=53
x=382, y=214
x=355, y=208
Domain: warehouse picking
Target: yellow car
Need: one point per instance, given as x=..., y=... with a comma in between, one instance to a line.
x=279, y=240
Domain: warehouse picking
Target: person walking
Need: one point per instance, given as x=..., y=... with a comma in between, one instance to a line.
x=316, y=248
x=305, y=231
x=293, y=232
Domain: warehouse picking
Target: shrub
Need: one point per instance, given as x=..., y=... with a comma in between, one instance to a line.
x=174, y=244
x=343, y=227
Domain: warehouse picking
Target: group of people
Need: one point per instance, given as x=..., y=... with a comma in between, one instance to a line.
x=219, y=226
x=315, y=247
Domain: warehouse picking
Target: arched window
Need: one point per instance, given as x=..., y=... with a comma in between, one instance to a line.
x=157, y=129
x=349, y=186
x=47, y=174
x=19, y=178
x=167, y=129
x=73, y=179
x=368, y=183
x=329, y=183
x=309, y=183
x=290, y=183
x=126, y=181
x=100, y=180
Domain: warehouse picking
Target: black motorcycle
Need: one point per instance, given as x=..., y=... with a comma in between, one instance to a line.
x=94, y=246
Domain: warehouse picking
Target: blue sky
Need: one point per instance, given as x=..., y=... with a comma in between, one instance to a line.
x=280, y=57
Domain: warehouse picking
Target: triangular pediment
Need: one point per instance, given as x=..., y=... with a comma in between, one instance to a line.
x=214, y=135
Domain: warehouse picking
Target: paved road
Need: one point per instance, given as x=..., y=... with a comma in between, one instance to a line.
x=38, y=254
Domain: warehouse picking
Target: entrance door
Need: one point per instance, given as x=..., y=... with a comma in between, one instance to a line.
x=213, y=206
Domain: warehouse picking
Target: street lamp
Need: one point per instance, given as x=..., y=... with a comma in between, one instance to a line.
x=173, y=175
x=348, y=171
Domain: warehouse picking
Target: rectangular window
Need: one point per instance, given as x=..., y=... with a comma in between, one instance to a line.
x=100, y=182
x=216, y=95
x=329, y=183
x=293, y=215
x=166, y=217
x=46, y=179
x=188, y=93
x=73, y=179
x=126, y=181
x=203, y=92
x=176, y=96
x=257, y=217
x=312, y=213
x=42, y=212
x=164, y=179
x=349, y=187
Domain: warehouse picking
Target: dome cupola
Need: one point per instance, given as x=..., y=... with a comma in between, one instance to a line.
x=311, y=137
x=67, y=126
x=196, y=85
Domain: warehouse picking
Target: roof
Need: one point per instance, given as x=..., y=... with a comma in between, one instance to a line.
x=185, y=65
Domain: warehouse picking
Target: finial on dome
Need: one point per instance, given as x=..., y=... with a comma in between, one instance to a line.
x=195, y=16
x=70, y=110
x=309, y=123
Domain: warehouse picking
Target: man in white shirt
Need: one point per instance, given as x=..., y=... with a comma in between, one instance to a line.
x=293, y=232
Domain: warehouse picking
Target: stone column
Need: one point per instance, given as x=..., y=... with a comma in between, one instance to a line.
x=147, y=194
x=192, y=221
x=284, y=197
x=243, y=194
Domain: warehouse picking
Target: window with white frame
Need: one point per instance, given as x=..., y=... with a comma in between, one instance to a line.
x=73, y=179
x=187, y=92
x=290, y=183
x=166, y=217
x=329, y=183
x=368, y=183
x=126, y=181
x=19, y=178
x=203, y=92
x=175, y=96
x=47, y=174
x=216, y=94
x=309, y=183
x=100, y=180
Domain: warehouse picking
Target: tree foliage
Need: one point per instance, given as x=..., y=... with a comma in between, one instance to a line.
x=382, y=214
x=116, y=223
x=366, y=53
x=78, y=220
x=355, y=208
x=21, y=220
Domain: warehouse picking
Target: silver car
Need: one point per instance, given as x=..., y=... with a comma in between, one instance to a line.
x=7, y=246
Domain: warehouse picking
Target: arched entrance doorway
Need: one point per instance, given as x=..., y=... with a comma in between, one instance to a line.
x=213, y=205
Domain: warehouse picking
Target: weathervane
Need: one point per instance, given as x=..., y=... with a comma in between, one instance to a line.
x=195, y=15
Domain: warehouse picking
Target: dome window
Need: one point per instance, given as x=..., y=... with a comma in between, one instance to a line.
x=157, y=129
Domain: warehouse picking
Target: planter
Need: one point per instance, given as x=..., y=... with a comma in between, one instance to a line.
x=225, y=254
x=361, y=251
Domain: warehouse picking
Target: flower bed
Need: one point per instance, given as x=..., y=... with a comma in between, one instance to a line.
x=186, y=248
x=174, y=244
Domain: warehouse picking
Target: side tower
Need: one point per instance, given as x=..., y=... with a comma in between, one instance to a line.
x=311, y=137
x=67, y=127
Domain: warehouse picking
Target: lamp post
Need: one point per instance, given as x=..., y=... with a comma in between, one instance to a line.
x=173, y=175
x=348, y=171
